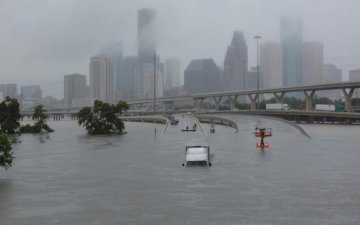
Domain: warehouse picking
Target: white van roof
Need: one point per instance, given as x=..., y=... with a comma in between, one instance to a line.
x=197, y=150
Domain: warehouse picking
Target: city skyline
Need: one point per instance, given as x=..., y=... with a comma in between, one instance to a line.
x=57, y=49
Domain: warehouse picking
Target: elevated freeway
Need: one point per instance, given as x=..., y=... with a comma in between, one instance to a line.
x=309, y=91
x=309, y=114
x=300, y=115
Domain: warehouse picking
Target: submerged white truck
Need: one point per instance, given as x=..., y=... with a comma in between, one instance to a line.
x=197, y=155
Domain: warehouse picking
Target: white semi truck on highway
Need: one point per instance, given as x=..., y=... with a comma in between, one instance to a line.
x=277, y=106
x=325, y=107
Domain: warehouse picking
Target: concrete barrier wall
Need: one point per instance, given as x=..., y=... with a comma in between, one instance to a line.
x=216, y=120
x=145, y=119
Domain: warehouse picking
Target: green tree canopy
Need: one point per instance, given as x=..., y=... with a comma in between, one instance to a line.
x=102, y=119
x=9, y=115
x=40, y=125
x=6, y=156
x=322, y=100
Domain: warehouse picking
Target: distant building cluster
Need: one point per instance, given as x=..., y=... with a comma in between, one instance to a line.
x=293, y=62
x=113, y=76
x=29, y=96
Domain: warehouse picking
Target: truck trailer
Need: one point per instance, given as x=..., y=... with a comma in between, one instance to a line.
x=277, y=106
x=325, y=107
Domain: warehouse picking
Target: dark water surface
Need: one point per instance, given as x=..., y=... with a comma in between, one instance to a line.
x=71, y=178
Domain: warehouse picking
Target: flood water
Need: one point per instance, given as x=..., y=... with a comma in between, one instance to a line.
x=68, y=177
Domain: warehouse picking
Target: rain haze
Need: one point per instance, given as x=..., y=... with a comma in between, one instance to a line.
x=109, y=109
x=41, y=40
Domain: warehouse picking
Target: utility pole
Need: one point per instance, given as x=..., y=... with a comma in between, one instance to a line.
x=257, y=37
x=154, y=83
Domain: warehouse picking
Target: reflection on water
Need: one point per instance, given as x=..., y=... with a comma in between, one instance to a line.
x=43, y=137
x=69, y=177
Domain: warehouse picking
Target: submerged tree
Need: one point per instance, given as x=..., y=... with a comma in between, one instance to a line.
x=9, y=116
x=40, y=125
x=102, y=119
x=6, y=156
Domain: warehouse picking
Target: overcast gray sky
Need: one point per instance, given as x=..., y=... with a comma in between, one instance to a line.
x=41, y=40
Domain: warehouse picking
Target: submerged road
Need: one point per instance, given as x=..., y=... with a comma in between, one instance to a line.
x=68, y=177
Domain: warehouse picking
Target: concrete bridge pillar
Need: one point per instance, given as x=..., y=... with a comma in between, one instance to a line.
x=198, y=103
x=233, y=101
x=309, y=99
x=217, y=101
x=253, y=98
x=347, y=96
x=279, y=97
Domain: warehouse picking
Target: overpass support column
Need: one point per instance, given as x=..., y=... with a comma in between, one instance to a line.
x=253, y=98
x=309, y=99
x=233, y=101
x=217, y=101
x=279, y=97
x=347, y=96
x=198, y=103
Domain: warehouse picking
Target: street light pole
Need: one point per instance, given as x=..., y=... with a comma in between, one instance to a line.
x=257, y=37
x=154, y=83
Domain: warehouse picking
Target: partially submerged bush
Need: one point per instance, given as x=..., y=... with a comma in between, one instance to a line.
x=6, y=156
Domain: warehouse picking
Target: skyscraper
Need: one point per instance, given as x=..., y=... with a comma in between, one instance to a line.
x=354, y=75
x=129, y=65
x=8, y=90
x=251, y=83
x=332, y=74
x=101, y=74
x=313, y=63
x=31, y=92
x=291, y=34
x=31, y=95
x=74, y=88
x=271, y=65
x=146, y=70
x=201, y=75
x=144, y=81
x=236, y=64
x=114, y=50
x=146, y=35
x=251, y=79
x=172, y=73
